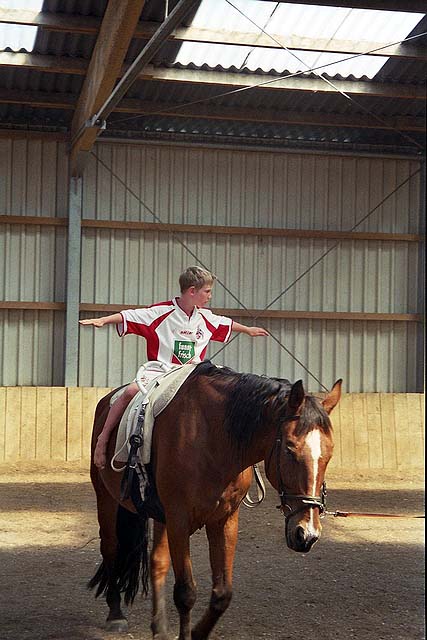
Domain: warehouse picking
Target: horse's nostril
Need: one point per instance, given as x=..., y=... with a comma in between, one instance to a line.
x=300, y=535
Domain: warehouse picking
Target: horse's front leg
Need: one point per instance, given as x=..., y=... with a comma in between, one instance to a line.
x=184, y=593
x=222, y=538
x=160, y=563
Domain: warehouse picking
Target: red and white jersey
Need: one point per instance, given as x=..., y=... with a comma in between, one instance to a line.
x=172, y=336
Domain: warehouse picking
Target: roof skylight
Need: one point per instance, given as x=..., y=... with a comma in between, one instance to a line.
x=17, y=37
x=327, y=24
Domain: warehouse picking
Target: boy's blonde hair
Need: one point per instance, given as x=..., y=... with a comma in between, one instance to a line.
x=195, y=277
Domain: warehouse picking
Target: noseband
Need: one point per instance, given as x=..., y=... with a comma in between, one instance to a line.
x=306, y=501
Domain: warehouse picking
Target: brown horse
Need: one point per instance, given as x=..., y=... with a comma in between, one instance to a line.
x=204, y=445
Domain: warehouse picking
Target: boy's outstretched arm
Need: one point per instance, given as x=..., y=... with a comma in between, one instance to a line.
x=116, y=318
x=250, y=331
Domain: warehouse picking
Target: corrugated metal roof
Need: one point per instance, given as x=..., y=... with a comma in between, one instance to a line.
x=73, y=7
x=18, y=37
x=57, y=43
x=293, y=19
x=25, y=116
x=175, y=92
x=274, y=132
x=68, y=86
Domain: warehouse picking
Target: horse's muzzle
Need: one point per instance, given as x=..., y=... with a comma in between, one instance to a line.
x=300, y=538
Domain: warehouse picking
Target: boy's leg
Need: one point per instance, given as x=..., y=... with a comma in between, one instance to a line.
x=113, y=417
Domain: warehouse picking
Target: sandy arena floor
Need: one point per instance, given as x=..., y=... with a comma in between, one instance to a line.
x=363, y=580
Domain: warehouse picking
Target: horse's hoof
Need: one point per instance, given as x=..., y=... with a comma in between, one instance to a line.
x=118, y=626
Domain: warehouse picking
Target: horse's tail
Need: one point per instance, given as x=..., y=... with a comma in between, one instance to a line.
x=132, y=563
x=132, y=560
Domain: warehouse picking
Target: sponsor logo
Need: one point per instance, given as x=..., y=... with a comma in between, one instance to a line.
x=184, y=350
x=185, y=332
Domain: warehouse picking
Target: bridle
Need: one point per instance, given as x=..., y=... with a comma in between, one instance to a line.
x=306, y=501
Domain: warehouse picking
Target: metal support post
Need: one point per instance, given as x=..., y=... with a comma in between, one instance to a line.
x=73, y=283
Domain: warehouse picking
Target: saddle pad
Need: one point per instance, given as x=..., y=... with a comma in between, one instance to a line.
x=159, y=396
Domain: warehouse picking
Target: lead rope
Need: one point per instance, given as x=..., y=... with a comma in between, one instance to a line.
x=355, y=514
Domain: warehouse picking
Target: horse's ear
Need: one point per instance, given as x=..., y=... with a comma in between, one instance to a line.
x=296, y=396
x=333, y=397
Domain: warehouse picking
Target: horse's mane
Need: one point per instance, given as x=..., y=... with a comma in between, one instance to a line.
x=251, y=399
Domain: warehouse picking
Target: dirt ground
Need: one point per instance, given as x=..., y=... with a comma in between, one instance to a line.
x=363, y=580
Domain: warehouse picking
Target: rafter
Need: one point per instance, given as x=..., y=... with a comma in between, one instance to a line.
x=39, y=99
x=117, y=28
x=51, y=21
x=47, y=63
x=90, y=26
x=293, y=83
x=279, y=41
x=413, y=6
x=274, y=116
x=78, y=66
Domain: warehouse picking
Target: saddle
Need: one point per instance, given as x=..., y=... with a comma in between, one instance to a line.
x=148, y=402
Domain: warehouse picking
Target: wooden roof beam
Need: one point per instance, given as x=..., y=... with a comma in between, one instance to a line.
x=89, y=128
x=39, y=99
x=224, y=79
x=274, y=116
x=412, y=6
x=47, y=63
x=116, y=32
x=280, y=41
x=88, y=25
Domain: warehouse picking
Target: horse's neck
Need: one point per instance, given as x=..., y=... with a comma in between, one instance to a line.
x=261, y=446
x=246, y=454
x=240, y=457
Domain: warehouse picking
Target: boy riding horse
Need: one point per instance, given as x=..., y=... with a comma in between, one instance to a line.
x=177, y=332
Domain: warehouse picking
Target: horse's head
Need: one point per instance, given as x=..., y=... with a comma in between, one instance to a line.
x=297, y=462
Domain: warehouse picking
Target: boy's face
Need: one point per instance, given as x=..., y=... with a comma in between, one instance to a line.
x=202, y=296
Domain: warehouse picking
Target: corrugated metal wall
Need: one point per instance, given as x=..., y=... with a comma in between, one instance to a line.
x=227, y=187
x=248, y=189
x=33, y=177
x=33, y=182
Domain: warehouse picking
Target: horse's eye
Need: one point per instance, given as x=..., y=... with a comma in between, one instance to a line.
x=289, y=449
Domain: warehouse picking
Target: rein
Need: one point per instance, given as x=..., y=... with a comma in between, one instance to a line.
x=307, y=501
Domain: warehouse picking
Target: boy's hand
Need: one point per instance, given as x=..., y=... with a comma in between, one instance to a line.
x=96, y=322
x=254, y=332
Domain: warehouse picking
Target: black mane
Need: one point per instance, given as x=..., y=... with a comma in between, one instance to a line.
x=251, y=399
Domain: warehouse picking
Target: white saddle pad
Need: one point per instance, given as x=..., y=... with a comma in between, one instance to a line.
x=160, y=394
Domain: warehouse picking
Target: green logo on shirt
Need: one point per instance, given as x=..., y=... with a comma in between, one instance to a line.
x=184, y=350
